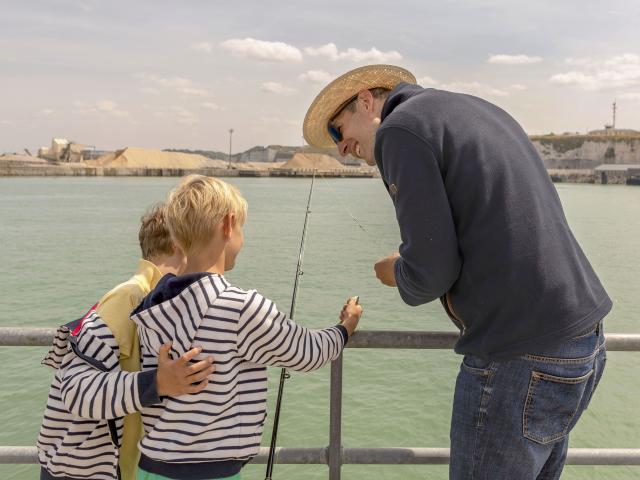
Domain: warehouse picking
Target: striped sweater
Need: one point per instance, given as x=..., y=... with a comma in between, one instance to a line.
x=89, y=395
x=213, y=433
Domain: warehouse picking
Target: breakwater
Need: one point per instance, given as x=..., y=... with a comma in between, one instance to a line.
x=19, y=169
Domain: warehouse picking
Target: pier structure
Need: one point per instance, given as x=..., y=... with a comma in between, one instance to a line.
x=335, y=455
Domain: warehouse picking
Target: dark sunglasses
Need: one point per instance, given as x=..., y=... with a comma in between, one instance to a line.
x=334, y=133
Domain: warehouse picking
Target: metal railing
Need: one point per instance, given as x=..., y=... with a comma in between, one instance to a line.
x=334, y=455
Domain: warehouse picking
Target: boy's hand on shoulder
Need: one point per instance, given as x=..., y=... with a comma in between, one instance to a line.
x=350, y=314
x=177, y=377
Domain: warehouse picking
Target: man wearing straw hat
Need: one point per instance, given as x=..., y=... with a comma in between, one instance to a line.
x=482, y=229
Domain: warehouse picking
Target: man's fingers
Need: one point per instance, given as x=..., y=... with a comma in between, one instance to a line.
x=190, y=354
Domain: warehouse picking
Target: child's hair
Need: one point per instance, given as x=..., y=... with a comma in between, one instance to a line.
x=154, y=236
x=197, y=206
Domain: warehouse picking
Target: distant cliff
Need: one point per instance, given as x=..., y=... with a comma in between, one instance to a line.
x=587, y=151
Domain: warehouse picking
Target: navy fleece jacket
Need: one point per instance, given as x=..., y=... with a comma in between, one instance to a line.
x=481, y=224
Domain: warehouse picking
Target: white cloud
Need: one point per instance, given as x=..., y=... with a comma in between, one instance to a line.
x=7, y=122
x=513, y=59
x=427, y=81
x=630, y=96
x=475, y=88
x=184, y=116
x=46, y=112
x=198, y=92
x=277, y=88
x=579, y=61
x=100, y=108
x=316, y=76
x=472, y=88
x=330, y=50
x=174, y=82
x=180, y=84
x=149, y=90
x=620, y=71
x=210, y=106
x=110, y=107
x=263, y=50
x=278, y=121
x=205, y=47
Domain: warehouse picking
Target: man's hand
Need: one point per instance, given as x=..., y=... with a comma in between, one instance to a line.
x=350, y=315
x=177, y=377
x=385, y=270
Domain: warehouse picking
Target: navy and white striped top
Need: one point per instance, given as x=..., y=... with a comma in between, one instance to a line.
x=214, y=432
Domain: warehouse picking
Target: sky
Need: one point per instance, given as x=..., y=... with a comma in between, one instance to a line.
x=180, y=74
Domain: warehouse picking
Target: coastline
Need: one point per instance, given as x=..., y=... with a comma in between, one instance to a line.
x=78, y=170
x=23, y=169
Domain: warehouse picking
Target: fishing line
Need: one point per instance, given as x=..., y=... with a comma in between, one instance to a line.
x=284, y=375
x=384, y=249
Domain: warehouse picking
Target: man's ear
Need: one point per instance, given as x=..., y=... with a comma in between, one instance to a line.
x=366, y=97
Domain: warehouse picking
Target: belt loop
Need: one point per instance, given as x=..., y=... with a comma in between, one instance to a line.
x=598, y=328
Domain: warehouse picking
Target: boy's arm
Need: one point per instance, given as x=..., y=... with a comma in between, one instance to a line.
x=267, y=336
x=93, y=386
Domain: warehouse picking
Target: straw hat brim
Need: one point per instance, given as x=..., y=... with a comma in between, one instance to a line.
x=335, y=95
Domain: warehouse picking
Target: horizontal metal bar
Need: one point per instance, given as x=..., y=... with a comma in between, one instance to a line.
x=26, y=337
x=377, y=456
x=623, y=342
x=402, y=339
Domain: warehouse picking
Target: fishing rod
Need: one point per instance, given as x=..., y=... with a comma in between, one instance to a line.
x=284, y=375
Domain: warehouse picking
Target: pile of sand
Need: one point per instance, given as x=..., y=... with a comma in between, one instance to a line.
x=310, y=161
x=133, y=157
x=256, y=165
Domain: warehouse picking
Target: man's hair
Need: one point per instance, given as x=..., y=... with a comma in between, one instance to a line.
x=379, y=93
x=197, y=206
x=154, y=236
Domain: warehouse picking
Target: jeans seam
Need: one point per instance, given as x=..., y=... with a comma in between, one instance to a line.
x=484, y=398
x=565, y=361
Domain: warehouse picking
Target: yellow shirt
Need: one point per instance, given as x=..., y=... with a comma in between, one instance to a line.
x=115, y=308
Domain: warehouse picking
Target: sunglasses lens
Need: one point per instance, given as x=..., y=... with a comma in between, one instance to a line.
x=334, y=134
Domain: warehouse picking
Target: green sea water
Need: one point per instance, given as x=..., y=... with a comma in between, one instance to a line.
x=65, y=241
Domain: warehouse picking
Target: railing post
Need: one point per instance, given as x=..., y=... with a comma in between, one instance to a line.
x=335, y=420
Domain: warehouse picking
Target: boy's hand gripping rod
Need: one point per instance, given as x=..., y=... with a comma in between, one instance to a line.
x=283, y=373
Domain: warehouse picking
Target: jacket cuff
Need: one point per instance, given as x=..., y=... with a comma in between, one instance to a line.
x=343, y=331
x=148, y=388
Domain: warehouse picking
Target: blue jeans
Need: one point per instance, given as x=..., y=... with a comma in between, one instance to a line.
x=511, y=419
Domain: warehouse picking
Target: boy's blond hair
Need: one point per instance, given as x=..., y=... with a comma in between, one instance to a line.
x=196, y=206
x=153, y=235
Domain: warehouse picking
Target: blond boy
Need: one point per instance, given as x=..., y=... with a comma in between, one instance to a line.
x=212, y=434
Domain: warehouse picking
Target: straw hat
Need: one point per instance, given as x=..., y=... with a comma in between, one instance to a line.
x=338, y=93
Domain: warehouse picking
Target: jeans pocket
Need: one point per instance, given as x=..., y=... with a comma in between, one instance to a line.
x=551, y=405
x=476, y=365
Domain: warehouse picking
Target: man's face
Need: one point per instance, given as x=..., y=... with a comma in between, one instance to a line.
x=358, y=129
